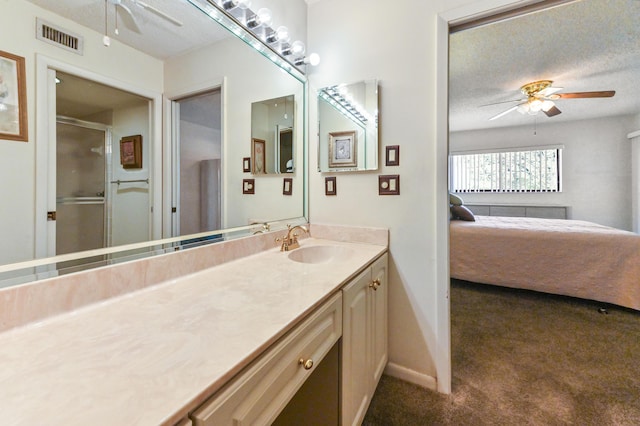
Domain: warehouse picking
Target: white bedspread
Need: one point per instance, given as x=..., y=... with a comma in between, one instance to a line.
x=566, y=257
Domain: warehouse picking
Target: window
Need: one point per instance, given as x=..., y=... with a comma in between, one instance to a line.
x=531, y=170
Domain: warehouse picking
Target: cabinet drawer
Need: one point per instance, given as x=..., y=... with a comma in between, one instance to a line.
x=260, y=393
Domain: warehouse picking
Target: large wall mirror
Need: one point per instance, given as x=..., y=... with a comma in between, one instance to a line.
x=160, y=113
x=348, y=127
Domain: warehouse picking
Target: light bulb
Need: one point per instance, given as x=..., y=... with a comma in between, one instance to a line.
x=260, y=19
x=314, y=59
x=283, y=34
x=297, y=47
x=535, y=106
x=547, y=105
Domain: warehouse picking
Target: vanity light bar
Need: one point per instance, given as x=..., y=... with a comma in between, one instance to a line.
x=254, y=28
x=334, y=97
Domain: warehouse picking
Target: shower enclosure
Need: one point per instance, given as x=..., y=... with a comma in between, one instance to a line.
x=83, y=158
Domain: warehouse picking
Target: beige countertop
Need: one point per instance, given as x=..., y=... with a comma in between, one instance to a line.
x=147, y=357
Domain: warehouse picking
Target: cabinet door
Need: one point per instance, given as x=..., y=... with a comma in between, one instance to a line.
x=379, y=318
x=356, y=359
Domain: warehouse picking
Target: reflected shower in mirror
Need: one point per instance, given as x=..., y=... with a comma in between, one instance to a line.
x=272, y=135
x=348, y=127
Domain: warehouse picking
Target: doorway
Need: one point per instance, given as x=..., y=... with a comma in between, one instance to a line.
x=197, y=163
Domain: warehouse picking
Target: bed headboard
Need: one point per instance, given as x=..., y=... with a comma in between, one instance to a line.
x=512, y=210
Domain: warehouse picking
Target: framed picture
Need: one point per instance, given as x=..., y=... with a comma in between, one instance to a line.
x=131, y=152
x=13, y=98
x=287, y=186
x=258, y=156
x=342, y=149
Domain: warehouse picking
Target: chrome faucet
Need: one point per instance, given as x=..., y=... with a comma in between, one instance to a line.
x=290, y=241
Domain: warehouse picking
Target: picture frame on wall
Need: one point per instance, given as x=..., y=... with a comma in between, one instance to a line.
x=343, y=149
x=258, y=159
x=131, y=152
x=13, y=98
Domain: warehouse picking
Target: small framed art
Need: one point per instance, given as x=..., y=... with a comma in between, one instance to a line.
x=13, y=98
x=131, y=152
x=258, y=156
x=343, y=149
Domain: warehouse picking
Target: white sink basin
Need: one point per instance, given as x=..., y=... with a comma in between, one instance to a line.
x=319, y=254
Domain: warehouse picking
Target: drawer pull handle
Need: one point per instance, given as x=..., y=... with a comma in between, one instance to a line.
x=375, y=284
x=308, y=364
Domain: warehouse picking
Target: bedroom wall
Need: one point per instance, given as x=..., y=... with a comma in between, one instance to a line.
x=596, y=166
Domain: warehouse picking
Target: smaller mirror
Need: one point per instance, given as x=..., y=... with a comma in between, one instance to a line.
x=272, y=136
x=348, y=127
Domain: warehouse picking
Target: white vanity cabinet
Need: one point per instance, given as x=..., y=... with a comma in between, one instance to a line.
x=364, y=340
x=259, y=394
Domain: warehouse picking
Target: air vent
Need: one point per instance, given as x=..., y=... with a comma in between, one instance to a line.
x=60, y=37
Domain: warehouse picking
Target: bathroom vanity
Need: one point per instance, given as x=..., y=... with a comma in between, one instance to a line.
x=230, y=344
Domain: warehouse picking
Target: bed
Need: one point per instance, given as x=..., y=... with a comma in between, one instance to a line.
x=565, y=257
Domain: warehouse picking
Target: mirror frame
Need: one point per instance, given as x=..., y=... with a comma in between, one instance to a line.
x=45, y=267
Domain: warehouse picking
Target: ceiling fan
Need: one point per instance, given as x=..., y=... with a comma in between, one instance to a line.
x=540, y=96
x=126, y=13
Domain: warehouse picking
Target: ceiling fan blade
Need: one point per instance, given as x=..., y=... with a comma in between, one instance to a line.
x=503, y=102
x=549, y=91
x=503, y=113
x=158, y=12
x=127, y=17
x=553, y=111
x=578, y=95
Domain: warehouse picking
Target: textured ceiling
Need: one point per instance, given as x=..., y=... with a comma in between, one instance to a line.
x=158, y=36
x=588, y=45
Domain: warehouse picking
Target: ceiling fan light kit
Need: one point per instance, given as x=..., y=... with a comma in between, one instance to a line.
x=540, y=96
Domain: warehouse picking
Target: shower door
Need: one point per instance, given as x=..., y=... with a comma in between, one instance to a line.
x=82, y=160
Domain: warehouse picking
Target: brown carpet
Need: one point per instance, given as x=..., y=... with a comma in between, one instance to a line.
x=526, y=358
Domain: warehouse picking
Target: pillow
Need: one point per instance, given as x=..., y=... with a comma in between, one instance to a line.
x=455, y=200
x=462, y=213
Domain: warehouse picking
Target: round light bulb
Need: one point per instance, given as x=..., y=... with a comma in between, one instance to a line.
x=283, y=34
x=314, y=59
x=297, y=48
x=264, y=17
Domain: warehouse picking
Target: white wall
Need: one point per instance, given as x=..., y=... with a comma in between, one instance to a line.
x=396, y=43
x=17, y=159
x=130, y=203
x=596, y=166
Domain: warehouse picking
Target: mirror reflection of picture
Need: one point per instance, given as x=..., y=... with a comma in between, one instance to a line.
x=131, y=152
x=342, y=149
x=258, y=156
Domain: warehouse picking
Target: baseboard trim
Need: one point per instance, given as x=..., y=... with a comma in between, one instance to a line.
x=411, y=376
